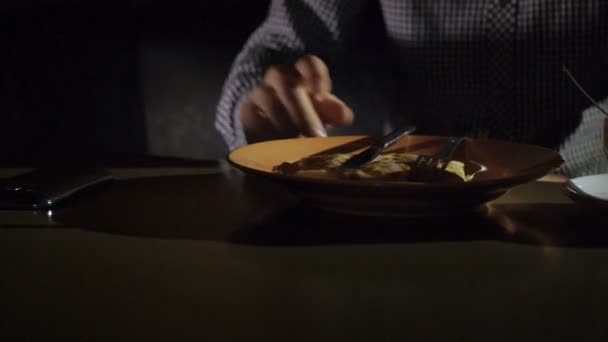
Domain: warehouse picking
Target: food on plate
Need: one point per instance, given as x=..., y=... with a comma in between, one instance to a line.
x=396, y=166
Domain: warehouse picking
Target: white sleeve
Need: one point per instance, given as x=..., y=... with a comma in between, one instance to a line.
x=585, y=151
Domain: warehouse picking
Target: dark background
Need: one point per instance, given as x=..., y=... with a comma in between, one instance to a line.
x=132, y=78
x=117, y=77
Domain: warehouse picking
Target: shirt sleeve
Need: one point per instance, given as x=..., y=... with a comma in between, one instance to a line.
x=291, y=29
x=584, y=151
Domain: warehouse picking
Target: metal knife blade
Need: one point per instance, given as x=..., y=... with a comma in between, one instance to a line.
x=374, y=150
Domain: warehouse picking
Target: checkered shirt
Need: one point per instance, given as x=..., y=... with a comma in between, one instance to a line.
x=481, y=68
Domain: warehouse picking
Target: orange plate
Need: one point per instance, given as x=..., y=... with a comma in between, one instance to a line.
x=508, y=164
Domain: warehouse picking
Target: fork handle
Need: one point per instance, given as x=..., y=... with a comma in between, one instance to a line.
x=449, y=149
x=395, y=135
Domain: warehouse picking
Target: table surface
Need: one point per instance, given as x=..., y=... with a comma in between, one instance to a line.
x=207, y=253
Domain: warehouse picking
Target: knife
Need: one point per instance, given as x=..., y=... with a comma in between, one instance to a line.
x=46, y=187
x=373, y=151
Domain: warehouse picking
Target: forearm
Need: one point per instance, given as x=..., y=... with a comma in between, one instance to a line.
x=585, y=150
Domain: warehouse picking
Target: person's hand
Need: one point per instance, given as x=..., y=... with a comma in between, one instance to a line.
x=293, y=100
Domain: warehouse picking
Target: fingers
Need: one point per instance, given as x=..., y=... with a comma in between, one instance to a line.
x=266, y=99
x=264, y=117
x=255, y=123
x=293, y=99
x=334, y=111
x=293, y=94
x=315, y=75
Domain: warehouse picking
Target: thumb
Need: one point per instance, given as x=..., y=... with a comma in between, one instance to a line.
x=332, y=110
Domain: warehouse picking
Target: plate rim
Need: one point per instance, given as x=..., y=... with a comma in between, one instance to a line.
x=528, y=176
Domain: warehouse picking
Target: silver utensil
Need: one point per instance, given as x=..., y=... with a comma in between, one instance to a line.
x=373, y=151
x=593, y=101
x=583, y=91
x=426, y=168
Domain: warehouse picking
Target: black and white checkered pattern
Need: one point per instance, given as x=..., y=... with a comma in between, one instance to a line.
x=483, y=68
x=501, y=28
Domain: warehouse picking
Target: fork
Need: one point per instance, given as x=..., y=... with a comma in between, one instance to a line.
x=584, y=92
x=426, y=168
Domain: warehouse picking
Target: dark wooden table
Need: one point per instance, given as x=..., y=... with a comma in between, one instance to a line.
x=176, y=254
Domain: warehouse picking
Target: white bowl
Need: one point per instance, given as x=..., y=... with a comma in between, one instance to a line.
x=589, y=189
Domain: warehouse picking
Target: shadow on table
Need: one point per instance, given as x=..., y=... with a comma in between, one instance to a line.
x=228, y=208
x=546, y=224
x=193, y=207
